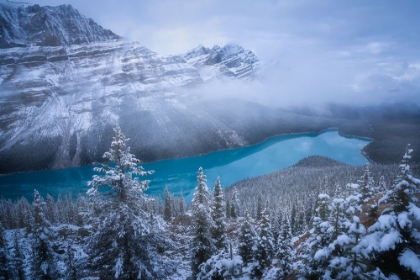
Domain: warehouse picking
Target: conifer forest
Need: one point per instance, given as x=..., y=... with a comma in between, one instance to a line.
x=209, y=140
x=348, y=223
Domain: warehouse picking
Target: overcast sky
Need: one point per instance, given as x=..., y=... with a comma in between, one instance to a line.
x=350, y=50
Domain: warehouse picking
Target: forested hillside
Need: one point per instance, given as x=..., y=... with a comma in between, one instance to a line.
x=319, y=219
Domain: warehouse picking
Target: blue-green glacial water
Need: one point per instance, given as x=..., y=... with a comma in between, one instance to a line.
x=180, y=174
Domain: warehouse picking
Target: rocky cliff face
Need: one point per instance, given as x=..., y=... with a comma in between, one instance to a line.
x=230, y=61
x=24, y=25
x=65, y=82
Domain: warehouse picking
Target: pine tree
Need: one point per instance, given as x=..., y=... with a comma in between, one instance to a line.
x=202, y=246
x=218, y=216
x=353, y=262
x=266, y=242
x=167, y=210
x=4, y=270
x=248, y=241
x=284, y=249
x=382, y=184
x=394, y=237
x=182, y=206
x=51, y=210
x=293, y=223
x=15, y=260
x=366, y=184
x=124, y=245
x=316, y=256
x=24, y=214
x=228, y=208
x=43, y=262
x=234, y=204
x=259, y=206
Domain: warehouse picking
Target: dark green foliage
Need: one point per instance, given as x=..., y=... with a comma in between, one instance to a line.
x=218, y=230
x=265, y=248
x=284, y=249
x=401, y=220
x=124, y=244
x=248, y=241
x=202, y=246
x=228, y=208
x=3, y=260
x=167, y=210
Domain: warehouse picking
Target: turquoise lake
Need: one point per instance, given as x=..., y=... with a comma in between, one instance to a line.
x=180, y=174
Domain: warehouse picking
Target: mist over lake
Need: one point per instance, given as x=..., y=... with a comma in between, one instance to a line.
x=180, y=174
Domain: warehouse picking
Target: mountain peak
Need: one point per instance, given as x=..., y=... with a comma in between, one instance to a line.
x=232, y=60
x=23, y=25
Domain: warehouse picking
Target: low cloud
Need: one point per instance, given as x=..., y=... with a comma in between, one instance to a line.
x=325, y=51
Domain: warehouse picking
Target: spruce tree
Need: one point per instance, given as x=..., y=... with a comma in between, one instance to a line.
x=248, y=241
x=167, y=210
x=182, y=206
x=43, y=262
x=235, y=204
x=393, y=239
x=259, y=206
x=202, y=246
x=366, y=184
x=284, y=249
x=123, y=245
x=4, y=270
x=316, y=254
x=228, y=208
x=218, y=216
x=266, y=242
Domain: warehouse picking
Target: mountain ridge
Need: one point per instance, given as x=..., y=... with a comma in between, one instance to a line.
x=59, y=98
x=25, y=25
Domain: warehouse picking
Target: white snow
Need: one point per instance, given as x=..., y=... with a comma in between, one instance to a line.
x=410, y=260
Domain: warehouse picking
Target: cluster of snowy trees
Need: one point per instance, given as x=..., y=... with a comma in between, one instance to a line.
x=306, y=221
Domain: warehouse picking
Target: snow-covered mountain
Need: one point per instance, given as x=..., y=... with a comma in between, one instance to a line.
x=24, y=25
x=65, y=82
x=230, y=61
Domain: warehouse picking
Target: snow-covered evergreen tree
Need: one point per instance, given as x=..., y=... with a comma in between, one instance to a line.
x=316, y=254
x=259, y=206
x=43, y=266
x=219, y=219
x=182, y=205
x=167, y=210
x=248, y=241
x=382, y=186
x=366, y=184
x=352, y=261
x=284, y=249
x=224, y=265
x=395, y=238
x=228, y=208
x=235, y=204
x=3, y=260
x=123, y=246
x=265, y=248
x=202, y=246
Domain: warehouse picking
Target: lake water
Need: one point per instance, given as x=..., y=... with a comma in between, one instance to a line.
x=180, y=174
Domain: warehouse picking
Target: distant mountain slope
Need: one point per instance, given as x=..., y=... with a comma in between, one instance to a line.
x=23, y=25
x=230, y=60
x=65, y=82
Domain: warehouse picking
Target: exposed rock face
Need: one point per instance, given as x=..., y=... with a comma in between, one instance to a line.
x=231, y=61
x=25, y=25
x=65, y=82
